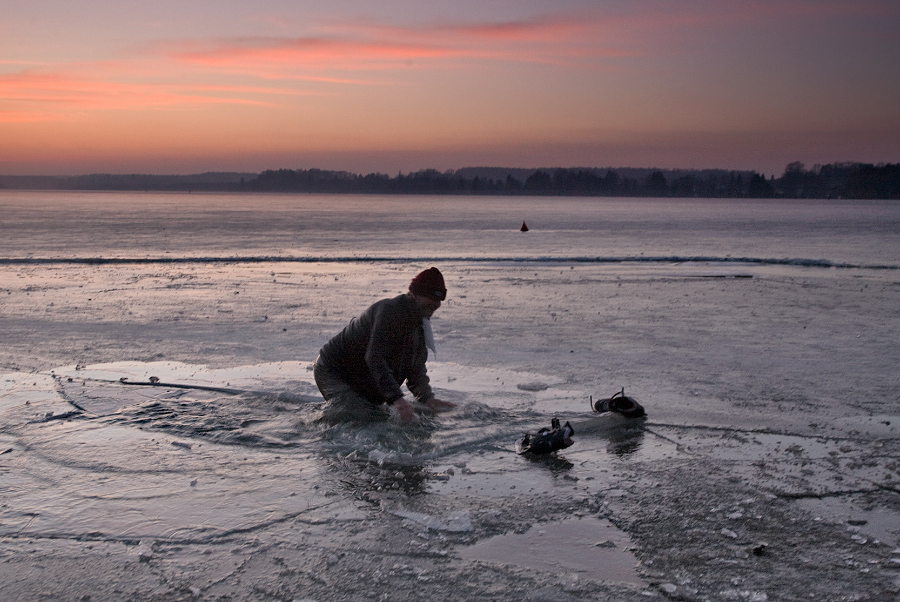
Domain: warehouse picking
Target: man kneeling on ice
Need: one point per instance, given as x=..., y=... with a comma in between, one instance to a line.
x=360, y=370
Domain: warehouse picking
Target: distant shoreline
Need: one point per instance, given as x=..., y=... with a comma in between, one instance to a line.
x=836, y=180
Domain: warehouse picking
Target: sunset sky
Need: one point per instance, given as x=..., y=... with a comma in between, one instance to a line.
x=180, y=87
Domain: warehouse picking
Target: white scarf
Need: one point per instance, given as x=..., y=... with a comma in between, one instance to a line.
x=429, y=336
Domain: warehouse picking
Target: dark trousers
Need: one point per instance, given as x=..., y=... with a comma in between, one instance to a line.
x=342, y=402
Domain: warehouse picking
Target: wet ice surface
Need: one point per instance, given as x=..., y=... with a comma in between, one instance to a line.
x=99, y=459
x=139, y=461
x=586, y=546
x=769, y=450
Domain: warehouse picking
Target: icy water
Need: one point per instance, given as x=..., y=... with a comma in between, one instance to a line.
x=760, y=336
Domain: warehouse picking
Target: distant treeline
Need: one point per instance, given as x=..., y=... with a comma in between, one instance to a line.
x=836, y=180
x=548, y=182
x=840, y=180
x=210, y=181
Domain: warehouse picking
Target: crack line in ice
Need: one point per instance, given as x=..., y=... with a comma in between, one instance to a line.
x=802, y=262
x=212, y=538
x=803, y=495
x=731, y=429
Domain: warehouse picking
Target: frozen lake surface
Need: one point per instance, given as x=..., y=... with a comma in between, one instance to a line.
x=334, y=227
x=761, y=336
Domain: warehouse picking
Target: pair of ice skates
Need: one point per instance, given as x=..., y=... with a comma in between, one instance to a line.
x=558, y=437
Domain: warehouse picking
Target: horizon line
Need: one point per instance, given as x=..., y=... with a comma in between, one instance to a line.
x=430, y=169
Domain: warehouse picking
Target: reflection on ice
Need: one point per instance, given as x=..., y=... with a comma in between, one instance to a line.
x=626, y=443
x=590, y=547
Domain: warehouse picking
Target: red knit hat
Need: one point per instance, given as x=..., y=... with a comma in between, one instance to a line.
x=429, y=283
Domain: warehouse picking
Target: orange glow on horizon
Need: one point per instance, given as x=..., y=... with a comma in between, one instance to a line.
x=606, y=83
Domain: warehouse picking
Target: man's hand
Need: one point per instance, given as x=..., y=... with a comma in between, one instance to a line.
x=405, y=410
x=439, y=405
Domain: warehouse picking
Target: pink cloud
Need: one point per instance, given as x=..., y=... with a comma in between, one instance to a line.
x=25, y=116
x=557, y=39
x=153, y=78
x=564, y=38
x=588, y=39
x=548, y=28
x=45, y=96
x=316, y=52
